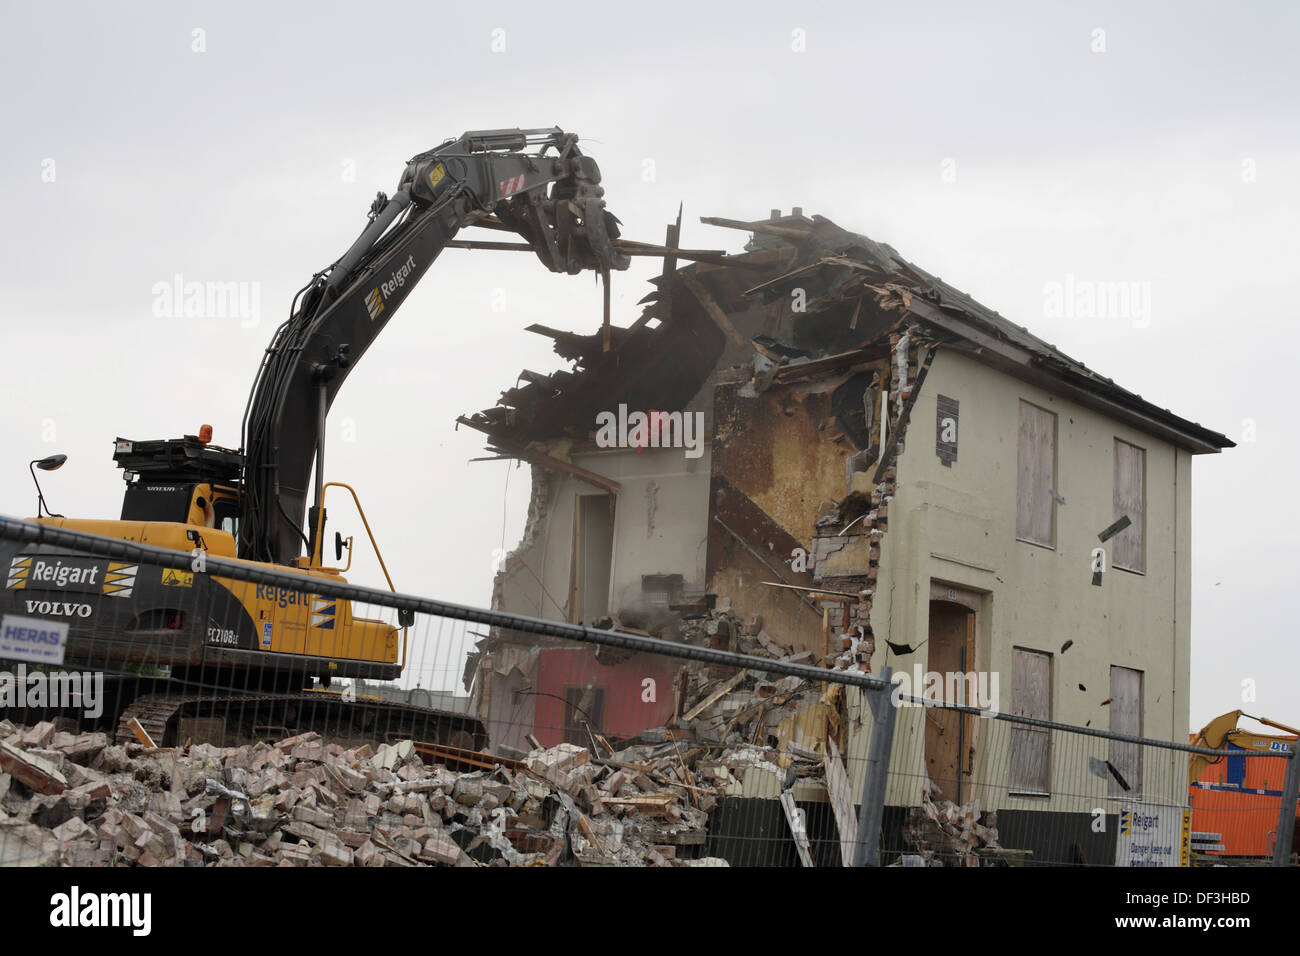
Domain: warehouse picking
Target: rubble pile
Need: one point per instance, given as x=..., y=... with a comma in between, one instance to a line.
x=74, y=799
x=941, y=833
x=782, y=722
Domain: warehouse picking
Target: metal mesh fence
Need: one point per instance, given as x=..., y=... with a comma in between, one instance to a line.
x=170, y=708
x=1035, y=794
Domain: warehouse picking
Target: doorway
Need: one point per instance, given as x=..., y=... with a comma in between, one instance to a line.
x=593, y=555
x=950, y=735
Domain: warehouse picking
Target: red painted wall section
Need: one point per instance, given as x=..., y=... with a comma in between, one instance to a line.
x=627, y=712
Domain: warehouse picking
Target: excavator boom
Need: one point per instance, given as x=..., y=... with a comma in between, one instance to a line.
x=535, y=182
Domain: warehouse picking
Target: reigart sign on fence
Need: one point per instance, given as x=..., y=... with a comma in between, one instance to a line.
x=1153, y=836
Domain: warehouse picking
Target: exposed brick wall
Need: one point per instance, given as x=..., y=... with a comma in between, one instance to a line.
x=911, y=355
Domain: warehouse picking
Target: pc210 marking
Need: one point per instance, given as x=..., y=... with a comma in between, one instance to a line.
x=222, y=635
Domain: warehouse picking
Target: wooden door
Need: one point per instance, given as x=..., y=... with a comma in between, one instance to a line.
x=949, y=735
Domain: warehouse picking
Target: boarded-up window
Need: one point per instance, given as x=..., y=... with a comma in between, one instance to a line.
x=1036, y=471
x=1125, y=718
x=1130, y=499
x=1031, y=696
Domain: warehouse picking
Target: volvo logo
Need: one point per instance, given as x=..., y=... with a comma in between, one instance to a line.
x=61, y=608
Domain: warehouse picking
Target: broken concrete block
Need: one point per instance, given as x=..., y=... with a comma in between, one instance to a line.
x=557, y=761
x=294, y=853
x=111, y=760
x=314, y=752
x=353, y=838
x=39, y=736
x=167, y=831
x=35, y=772
x=391, y=756
x=304, y=777
x=80, y=748
x=441, y=848
x=306, y=831
x=334, y=852
x=73, y=829
x=313, y=816
x=365, y=854
x=468, y=790
x=289, y=743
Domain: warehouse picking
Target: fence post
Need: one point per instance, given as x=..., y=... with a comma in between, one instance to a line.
x=871, y=813
x=1286, y=815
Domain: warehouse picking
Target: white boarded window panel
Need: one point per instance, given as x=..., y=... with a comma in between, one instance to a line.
x=1126, y=718
x=1130, y=498
x=1036, y=475
x=1031, y=696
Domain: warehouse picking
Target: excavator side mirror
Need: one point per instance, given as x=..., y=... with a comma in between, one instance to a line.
x=338, y=546
x=405, y=617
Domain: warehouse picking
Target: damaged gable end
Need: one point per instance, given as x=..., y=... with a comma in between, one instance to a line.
x=808, y=357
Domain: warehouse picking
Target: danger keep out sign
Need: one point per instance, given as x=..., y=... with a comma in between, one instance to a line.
x=33, y=640
x=1153, y=836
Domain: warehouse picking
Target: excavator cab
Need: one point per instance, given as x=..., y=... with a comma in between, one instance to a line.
x=184, y=479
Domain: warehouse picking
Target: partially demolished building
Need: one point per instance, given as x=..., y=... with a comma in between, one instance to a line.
x=889, y=473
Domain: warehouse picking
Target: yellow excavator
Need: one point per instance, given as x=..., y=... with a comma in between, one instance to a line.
x=1233, y=796
x=239, y=656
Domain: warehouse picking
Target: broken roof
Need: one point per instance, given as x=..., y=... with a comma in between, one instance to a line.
x=855, y=291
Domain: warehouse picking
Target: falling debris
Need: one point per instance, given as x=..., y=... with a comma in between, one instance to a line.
x=1056, y=496
x=1106, y=702
x=1114, y=529
x=1067, y=645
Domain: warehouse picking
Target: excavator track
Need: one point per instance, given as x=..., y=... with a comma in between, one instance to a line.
x=235, y=719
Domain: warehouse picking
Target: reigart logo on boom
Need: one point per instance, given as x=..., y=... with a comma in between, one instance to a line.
x=375, y=300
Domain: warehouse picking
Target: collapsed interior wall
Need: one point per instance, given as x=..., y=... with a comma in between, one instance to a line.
x=793, y=430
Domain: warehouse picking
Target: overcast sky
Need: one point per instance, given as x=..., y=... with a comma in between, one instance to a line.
x=1001, y=147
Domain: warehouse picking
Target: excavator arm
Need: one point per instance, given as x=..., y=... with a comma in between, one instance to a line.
x=533, y=182
x=1220, y=732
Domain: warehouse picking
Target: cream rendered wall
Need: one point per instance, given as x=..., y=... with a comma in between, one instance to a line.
x=670, y=542
x=957, y=525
